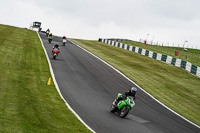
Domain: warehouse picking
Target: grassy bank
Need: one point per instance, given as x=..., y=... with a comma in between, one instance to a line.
x=172, y=86
x=27, y=103
x=191, y=55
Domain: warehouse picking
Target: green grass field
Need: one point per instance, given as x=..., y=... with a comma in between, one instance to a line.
x=171, y=85
x=191, y=55
x=27, y=103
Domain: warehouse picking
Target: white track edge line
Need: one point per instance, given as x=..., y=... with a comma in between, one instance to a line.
x=138, y=86
x=57, y=87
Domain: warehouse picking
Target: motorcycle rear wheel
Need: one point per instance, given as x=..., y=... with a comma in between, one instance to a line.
x=54, y=57
x=49, y=40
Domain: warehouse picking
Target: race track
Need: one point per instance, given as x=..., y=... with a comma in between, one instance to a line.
x=90, y=86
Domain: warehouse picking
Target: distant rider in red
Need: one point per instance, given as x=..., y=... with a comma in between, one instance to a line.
x=57, y=47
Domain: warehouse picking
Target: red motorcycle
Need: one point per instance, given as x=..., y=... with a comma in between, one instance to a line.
x=55, y=52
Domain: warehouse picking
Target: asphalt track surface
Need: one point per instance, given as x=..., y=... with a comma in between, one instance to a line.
x=90, y=86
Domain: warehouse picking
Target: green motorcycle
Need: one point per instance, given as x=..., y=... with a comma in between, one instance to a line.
x=123, y=106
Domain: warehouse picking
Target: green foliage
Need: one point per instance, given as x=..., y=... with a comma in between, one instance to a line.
x=174, y=87
x=27, y=103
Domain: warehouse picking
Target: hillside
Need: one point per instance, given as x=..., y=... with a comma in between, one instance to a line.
x=28, y=104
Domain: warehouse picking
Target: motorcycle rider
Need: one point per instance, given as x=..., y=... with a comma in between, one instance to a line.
x=56, y=46
x=50, y=36
x=47, y=32
x=131, y=92
x=64, y=37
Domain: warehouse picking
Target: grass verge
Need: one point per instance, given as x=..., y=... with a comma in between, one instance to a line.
x=172, y=86
x=27, y=103
x=191, y=55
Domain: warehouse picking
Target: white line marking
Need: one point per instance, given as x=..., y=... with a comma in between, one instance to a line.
x=57, y=87
x=138, y=86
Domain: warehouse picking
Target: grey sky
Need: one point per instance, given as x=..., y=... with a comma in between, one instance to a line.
x=166, y=21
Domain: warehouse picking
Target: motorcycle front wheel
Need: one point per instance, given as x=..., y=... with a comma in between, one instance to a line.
x=113, y=108
x=124, y=112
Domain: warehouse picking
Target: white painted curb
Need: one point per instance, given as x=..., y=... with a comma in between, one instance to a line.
x=137, y=86
x=57, y=87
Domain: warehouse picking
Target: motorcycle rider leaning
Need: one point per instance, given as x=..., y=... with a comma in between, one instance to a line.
x=131, y=92
x=56, y=46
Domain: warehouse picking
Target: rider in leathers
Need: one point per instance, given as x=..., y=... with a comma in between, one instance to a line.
x=131, y=92
x=56, y=46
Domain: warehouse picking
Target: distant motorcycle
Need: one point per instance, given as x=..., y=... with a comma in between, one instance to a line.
x=47, y=33
x=123, y=106
x=50, y=39
x=55, y=53
x=64, y=41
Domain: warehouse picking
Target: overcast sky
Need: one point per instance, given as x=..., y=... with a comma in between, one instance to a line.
x=166, y=21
